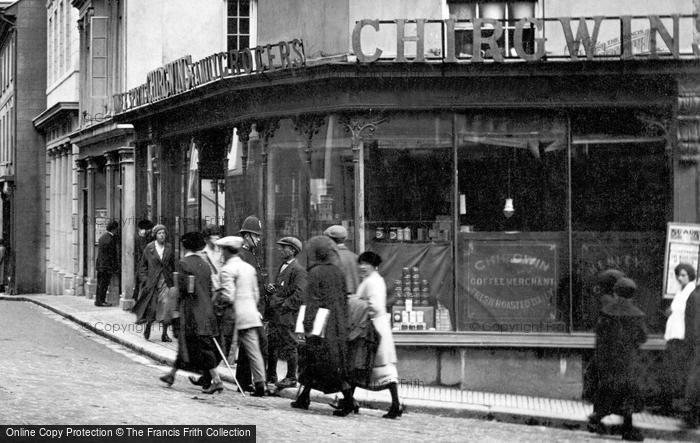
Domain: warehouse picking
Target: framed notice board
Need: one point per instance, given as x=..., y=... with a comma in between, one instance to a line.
x=682, y=246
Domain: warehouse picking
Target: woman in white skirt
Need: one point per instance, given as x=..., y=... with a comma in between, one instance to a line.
x=371, y=294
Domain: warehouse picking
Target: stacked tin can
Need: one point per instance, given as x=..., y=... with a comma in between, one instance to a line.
x=406, y=279
x=398, y=293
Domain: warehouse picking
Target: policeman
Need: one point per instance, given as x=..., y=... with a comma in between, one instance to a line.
x=251, y=231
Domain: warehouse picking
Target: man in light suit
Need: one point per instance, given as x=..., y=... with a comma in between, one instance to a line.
x=239, y=285
x=107, y=263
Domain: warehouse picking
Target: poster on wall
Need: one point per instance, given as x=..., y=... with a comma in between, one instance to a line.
x=514, y=282
x=682, y=246
x=100, y=223
x=637, y=254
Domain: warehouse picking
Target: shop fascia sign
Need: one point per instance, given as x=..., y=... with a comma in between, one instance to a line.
x=584, y=37
x=182, y=75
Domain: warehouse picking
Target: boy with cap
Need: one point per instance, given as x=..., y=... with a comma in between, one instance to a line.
x=348, y=259
x=285, y=300
x=239, y=285
x=619, y=333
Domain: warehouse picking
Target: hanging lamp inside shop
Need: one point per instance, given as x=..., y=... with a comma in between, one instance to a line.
x=508, y=209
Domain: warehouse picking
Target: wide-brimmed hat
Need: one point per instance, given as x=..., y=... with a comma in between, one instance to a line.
x=291, y=241
x=145, y=224
x=193, y=241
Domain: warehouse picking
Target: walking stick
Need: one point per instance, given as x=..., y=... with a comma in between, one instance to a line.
x=228, y=366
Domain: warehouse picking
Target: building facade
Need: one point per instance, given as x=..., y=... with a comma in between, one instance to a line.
x=56, y=123
x=119, y=43
x=498, y=155
x=23, y=96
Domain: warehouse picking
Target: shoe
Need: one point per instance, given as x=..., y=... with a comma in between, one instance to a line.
x=214, y=387
x=355, y=406
x=165, y=339
x=394, y=411
x=147, y=331
x=286, y=382
x=301, y=403
x=168, y=379
x=632, y=434
x=102, y=304
x=346, y=408
x=259, y=389
x=202, y=381
x=249, y=388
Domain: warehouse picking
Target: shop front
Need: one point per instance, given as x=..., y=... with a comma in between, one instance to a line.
x=495, y=193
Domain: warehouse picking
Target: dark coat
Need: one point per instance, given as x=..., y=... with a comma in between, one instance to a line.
x=249, y=257
x=619, y=333
x=692, y=337
x=196, y=349
x=107, y=253
x=140, y=244
x=290, y=287
x=150, y=270
x=325, y=362
x=199, y=303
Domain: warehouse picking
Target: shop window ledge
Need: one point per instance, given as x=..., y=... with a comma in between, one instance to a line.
x=581, y=340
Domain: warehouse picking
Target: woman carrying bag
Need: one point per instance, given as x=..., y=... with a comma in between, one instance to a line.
x=371, y=333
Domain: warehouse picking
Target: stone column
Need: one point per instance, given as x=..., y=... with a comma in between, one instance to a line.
x=128, y=228
x=74, y=192
x=66, y=220
x=307, y=126
x=50, y=223
x=686, y=179
x=356, y=126
x=90, y=282
x=81, y=179
x=60, y=237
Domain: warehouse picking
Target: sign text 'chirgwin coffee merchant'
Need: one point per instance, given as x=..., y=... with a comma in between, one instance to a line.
x=182, y=74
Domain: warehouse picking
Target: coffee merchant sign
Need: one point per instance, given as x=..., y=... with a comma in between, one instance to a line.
x=488, y=32
x=182, y=74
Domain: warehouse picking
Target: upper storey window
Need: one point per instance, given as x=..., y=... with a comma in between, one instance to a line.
x=240, y=24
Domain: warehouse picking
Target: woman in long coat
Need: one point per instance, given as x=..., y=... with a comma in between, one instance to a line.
x=196, y=349
x=619, y=333
x=156, y=271
x=375, y=372
x=325, y=358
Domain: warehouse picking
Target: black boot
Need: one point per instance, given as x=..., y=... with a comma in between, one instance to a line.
x=396, y=410
x=164, y=337
x=147, y=330
x=204, y=381
x=303, y=400
x=259, y=389
x=347, y=405
x=629, y=432
x=595, y=425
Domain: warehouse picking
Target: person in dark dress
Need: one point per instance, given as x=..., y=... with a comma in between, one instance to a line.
x=156, y=272
x=143, y=238
x=692, y=332
x=107, y=263
x=605, y=282
x=619, y=333
x=284, y=303
x=196, y=349
x=326, y=362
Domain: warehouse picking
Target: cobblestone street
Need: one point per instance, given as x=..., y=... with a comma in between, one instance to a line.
x=54, y=372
